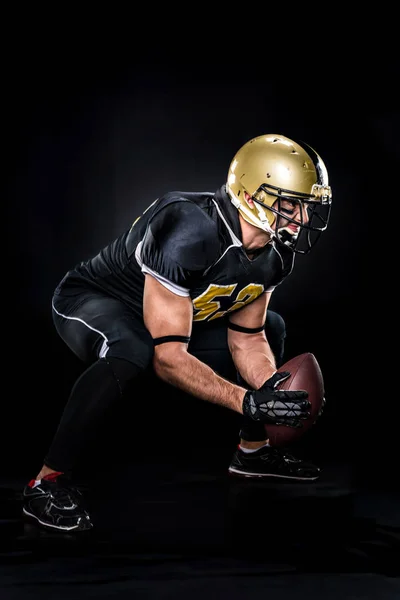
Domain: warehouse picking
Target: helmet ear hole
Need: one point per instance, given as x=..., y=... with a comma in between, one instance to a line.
x=247, y=198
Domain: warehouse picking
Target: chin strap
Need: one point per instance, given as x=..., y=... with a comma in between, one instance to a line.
x=286, y=237
x=262, y=216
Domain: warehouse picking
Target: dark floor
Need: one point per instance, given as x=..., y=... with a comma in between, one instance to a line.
x=170, y=523
x=168, y=527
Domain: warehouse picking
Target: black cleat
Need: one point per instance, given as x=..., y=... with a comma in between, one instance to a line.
x=272, y=462
x=55, y=505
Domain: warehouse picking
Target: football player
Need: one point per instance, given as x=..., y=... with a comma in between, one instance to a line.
x=191, y=263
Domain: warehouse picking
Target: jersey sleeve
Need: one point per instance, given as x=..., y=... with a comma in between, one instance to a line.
x=179, y=244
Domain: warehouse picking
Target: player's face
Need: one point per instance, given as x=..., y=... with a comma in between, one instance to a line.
x=295, y=211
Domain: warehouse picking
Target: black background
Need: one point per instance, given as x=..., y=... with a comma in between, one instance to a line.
x=102, y=112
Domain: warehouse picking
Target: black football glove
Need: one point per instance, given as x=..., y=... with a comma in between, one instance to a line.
x=277, y=407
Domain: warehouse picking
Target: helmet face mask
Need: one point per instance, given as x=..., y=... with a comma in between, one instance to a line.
x=288, y=183
x=299, y=220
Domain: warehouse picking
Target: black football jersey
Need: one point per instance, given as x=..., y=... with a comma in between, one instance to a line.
x=191, y=243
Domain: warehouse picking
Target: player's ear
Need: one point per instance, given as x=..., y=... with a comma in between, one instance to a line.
x=248, y=199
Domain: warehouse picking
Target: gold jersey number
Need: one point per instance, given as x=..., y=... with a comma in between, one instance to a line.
x=208, y=306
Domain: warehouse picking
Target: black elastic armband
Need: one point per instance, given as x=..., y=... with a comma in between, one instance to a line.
x=171, y=338
x=245, y=329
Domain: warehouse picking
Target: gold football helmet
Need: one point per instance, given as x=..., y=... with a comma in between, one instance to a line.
x=283, y=178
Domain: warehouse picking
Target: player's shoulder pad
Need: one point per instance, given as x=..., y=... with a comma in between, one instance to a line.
x=182, y=232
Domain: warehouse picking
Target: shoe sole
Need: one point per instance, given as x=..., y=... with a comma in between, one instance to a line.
x=52, y=527
x=261, y=475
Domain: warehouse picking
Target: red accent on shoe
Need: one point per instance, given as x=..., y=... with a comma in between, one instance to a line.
x=49, y=477
x=52, y=476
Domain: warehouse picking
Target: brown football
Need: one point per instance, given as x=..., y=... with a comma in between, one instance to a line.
x=305, y=374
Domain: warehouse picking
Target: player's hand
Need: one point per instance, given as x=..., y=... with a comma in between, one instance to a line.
x=274, y=406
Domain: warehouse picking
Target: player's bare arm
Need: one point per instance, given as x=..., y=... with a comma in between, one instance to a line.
x=167, y=314
x=251, y=352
